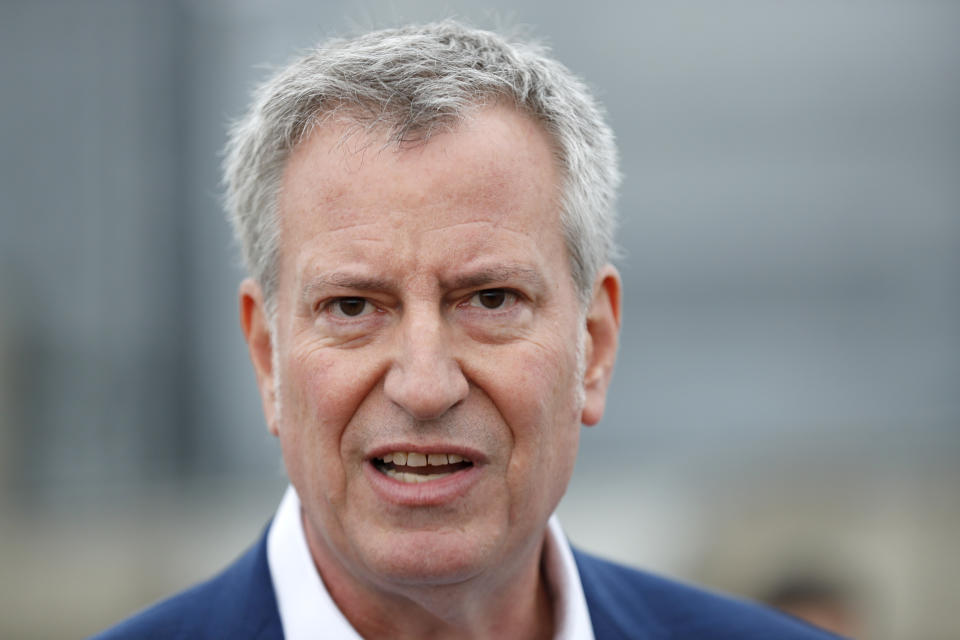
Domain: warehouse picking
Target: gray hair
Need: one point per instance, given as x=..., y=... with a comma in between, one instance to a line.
x=412, y=81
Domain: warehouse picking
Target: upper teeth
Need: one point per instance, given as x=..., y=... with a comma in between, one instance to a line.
x=415, y=459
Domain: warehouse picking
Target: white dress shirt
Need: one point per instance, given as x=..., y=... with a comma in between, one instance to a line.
x=307, y=610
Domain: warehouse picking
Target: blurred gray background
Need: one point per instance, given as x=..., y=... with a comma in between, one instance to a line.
x=787, y=397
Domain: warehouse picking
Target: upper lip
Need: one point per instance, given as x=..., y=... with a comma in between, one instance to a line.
x=473, y=455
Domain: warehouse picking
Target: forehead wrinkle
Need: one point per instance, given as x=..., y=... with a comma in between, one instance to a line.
x=343, y=219
x=496, y=223
x=437, y=186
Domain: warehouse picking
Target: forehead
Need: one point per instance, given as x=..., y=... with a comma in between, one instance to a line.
x=495, y=170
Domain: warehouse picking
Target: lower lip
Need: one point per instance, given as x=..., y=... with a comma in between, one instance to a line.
x=422, y=494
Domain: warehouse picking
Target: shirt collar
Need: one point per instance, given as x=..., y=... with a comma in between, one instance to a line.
x=306, y=607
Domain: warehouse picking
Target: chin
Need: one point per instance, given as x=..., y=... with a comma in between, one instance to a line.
x=429, y=557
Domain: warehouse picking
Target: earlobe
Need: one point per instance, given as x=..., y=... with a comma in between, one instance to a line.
x=256, y=331
x=603, y=331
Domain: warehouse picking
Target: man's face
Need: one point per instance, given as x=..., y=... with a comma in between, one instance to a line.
x=426, y=348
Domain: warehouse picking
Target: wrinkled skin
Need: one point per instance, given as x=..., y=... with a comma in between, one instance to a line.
x=425, y=300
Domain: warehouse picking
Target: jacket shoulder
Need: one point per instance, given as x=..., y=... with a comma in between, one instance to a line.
x=237, y=603
x=622, y=601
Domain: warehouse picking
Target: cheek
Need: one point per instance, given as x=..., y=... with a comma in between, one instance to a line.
x=543, y=387
x=323, y=388
x=321, y=391
x=539, y=401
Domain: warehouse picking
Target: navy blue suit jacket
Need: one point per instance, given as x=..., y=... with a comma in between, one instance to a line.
x=624, y=604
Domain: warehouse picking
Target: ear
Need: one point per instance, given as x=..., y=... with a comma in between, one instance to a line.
x=603, y=331
x=256, y=331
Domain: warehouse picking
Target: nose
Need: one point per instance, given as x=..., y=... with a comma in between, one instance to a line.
x=425, y=379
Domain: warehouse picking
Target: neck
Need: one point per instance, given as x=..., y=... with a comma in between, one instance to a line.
x=497, y=604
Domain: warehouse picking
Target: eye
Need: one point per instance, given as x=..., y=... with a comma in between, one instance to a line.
x=492, y=298
x=350, y=307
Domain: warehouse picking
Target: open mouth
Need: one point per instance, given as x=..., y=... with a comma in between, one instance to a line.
x=412, y=467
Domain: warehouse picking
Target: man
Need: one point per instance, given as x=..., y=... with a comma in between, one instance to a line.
x=427, y=218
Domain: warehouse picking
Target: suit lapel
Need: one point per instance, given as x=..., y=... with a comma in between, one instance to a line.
x=246, y=606
x=617, y=609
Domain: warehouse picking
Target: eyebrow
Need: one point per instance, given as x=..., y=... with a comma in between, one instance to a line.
x=478, y=278
x=496, y=274
x=341, y=280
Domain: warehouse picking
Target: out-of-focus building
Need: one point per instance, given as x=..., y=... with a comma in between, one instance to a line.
x=790, y=366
